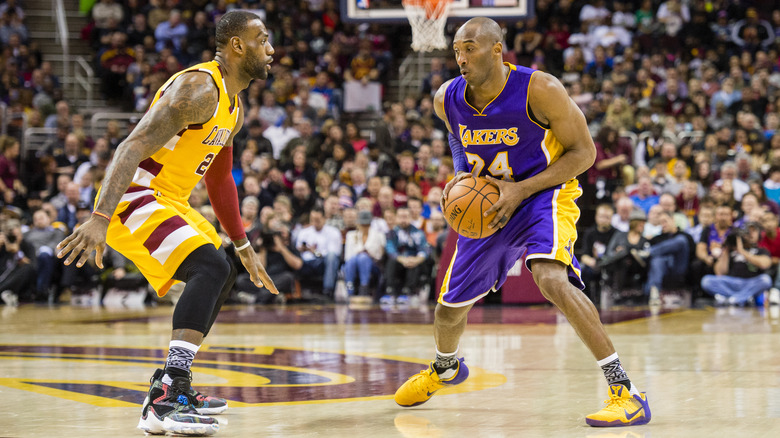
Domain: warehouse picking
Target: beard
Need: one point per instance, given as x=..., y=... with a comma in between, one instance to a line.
x=255, y=68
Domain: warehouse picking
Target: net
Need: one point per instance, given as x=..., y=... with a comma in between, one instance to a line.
x=427, y=18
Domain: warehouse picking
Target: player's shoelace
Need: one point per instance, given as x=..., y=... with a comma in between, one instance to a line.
x=619, y=404
x=423, y=382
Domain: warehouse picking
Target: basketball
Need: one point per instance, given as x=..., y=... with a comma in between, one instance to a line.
x=466, y=203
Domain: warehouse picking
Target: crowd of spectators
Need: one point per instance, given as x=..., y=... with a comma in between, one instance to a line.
x=680, y=96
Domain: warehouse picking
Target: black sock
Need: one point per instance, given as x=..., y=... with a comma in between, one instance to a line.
x=445, y=362
x=614, y=372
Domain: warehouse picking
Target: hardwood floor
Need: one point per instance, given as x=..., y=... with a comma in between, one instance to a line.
x=331, y=371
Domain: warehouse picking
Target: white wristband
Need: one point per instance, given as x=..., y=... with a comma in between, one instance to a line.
x=242, y=247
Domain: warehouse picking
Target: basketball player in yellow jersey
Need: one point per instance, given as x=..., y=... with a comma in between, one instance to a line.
x=142, y=211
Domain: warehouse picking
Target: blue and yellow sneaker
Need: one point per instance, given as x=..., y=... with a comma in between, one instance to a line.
x=421, y=386
x=623, y=409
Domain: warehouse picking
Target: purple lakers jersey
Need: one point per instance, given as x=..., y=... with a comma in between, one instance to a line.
x=502, y=140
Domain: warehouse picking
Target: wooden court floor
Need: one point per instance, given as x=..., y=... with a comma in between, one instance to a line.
x=330, y=371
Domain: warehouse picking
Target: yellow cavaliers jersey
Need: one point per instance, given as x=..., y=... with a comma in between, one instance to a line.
x=154, y=225
x=177, y=168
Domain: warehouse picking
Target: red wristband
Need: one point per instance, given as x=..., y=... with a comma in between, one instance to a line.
x=105, y=216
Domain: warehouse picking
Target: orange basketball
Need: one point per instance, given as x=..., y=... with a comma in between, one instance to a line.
x=466, y=203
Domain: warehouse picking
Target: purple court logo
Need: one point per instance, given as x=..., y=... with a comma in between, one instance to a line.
x=246, y=376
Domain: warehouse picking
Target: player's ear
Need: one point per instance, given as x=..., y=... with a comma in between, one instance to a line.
x=236, y=44
x=498, y=48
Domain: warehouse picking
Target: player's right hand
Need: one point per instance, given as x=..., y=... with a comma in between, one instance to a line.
x=90, y=236
x=461, y=175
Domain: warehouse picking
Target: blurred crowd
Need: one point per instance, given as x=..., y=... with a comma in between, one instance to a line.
x=680, y=96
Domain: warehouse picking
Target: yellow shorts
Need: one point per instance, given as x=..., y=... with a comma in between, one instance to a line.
x=157, y=234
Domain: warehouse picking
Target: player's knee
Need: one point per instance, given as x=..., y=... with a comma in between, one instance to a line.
x=222, y=270
x=450, y=315
x=551, y=281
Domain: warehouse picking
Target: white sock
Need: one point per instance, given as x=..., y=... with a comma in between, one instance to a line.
x=447, y=359
x=180, y=356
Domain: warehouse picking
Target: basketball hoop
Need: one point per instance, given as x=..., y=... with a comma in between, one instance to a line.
x=428, y=18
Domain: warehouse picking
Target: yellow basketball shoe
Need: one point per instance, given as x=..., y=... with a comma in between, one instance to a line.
x=421, y=386
x=623, y=409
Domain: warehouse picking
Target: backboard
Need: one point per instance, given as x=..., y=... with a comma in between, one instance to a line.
x=392, y=11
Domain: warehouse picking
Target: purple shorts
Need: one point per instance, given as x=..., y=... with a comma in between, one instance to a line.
x=543, y=227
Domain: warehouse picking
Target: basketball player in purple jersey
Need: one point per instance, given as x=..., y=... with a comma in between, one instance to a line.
x=518, y=128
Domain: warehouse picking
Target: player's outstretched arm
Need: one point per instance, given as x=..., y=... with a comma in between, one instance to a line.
x=191, y=99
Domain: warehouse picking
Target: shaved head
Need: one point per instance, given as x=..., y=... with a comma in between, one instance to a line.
x=481, y=28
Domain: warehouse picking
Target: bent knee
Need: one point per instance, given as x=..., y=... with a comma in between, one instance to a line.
x=447, y=315
x=551, y=278
x=221, y=269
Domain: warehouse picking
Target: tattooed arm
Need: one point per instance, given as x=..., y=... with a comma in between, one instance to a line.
x=191, y=99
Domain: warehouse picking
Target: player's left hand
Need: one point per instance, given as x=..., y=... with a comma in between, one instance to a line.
x=257, y=273
x=510, y=195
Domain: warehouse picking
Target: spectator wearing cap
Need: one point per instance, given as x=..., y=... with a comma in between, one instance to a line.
x=363, y=250
x=752, y=33
x=740, y=269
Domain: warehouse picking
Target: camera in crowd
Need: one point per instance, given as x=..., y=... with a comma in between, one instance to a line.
x=10, y=237
x=267, y=236
x=742, y=232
